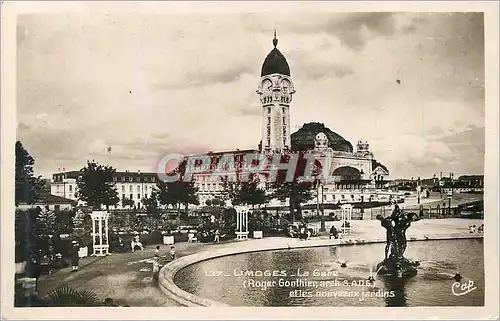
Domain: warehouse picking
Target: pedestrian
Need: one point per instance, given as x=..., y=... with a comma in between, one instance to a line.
x=137, y=242
x=75, y=257
x=156, y=267
x=480, y=229
x=334, y=233
x=51, y=259
x=121, y=246
x=303, y=233
x=172, y=253
x=217, y=236
x=157, y=251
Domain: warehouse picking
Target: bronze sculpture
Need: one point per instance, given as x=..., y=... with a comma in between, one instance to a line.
x=396, y=225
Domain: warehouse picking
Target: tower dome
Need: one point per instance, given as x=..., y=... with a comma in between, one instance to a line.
x=275, y=62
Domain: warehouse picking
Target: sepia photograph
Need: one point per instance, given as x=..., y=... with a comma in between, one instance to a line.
x=253, y=157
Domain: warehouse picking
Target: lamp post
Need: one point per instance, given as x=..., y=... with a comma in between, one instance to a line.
x=450, y=195
x=418, y=191
x=322, y=217
x=323, y=202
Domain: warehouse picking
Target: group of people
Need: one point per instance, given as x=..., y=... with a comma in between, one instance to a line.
x=301, y=231
x=478, y=229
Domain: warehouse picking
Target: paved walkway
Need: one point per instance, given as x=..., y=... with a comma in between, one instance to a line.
x=126, y=277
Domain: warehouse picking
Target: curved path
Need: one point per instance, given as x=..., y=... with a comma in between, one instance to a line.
x=364, y=232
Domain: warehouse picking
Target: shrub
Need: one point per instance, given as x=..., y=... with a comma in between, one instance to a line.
x=65, y=296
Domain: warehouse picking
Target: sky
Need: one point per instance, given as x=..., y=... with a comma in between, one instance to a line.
x=411, y=84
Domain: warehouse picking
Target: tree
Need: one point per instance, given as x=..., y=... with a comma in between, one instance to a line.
x=45, y=223
x=96, y=187
x=152, y=210
x=27, y=186
x=25, y=238
x=82, y=229
x=177, y=193
x=250, y=193
x=218, y=202
x=296, y=192
x=247, y=192
x=127, y=202
x=64, y=221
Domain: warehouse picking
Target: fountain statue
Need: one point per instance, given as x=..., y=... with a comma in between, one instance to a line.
x=394, y=263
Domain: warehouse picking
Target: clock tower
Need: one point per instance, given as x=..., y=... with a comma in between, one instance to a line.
x=275, y=91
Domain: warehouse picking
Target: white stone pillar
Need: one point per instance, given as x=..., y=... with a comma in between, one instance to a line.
x=237, y=220
x=106, y=231
x=246, y=221
x=106, y=228
x=100, y=233
x=93, y=235
x=242, y=222
x=102, y=230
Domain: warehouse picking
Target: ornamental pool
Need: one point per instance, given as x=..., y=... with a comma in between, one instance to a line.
x=315, y=277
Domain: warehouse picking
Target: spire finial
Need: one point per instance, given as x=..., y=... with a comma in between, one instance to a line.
x=275, y=40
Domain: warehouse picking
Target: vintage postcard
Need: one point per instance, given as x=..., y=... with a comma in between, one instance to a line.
x=260, y=160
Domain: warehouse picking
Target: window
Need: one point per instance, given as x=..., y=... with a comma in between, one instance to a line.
x=130, y=178
x=123, y=178
x=123, y=197
x=138, y=196
x=115, y=178
x=71, y=188
x=130, y=188
x=146, y=189
x=138, y=188
x=138, y=178
x=153, y=179
x=123, y=188
x=283, y=109
x=269, y=110
x=131, y=196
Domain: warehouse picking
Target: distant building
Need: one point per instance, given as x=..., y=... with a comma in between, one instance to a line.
x=52, y=202
x=130, y=185
x=351, y=168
